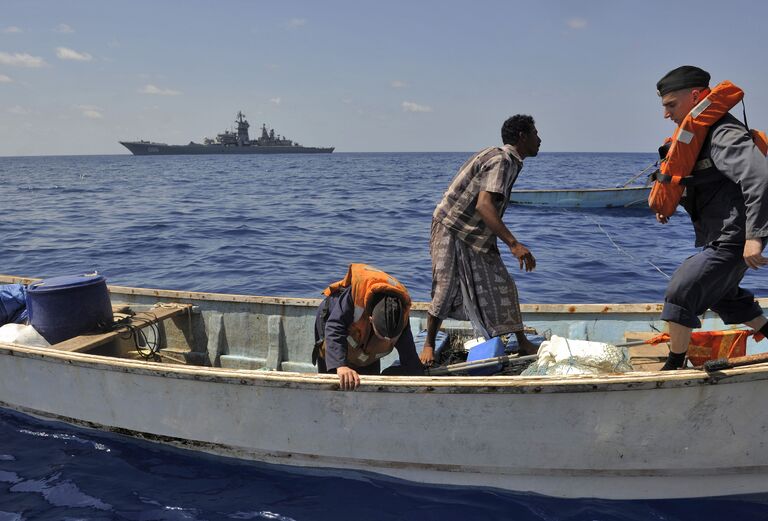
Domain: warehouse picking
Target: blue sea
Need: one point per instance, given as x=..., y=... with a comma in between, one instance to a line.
x=288, y=225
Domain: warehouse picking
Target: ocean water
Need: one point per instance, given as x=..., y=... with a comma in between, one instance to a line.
x=53, y=472
x=288, y=225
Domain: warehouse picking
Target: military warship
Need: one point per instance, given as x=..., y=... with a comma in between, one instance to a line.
x=228, y=142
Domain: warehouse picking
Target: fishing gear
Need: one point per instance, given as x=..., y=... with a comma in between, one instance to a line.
x=502, y=361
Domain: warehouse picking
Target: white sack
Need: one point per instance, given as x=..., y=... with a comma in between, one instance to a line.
x=22, y=335
x=563, y=356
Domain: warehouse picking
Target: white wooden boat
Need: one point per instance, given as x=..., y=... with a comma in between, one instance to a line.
x=246, y=389
x=625, y=197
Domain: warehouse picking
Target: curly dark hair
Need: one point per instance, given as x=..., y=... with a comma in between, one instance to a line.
x=514, y=126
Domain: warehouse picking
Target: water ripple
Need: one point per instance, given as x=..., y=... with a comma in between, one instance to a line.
x=224, y=224
x=273, y=225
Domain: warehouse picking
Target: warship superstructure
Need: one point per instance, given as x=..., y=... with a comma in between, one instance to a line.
x=228, y=142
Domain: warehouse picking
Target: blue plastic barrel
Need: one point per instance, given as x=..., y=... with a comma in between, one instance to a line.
x=65, y=307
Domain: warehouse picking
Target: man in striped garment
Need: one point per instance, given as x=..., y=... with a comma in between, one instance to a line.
x=469, y=278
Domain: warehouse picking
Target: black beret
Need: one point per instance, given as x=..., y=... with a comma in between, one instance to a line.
x=684, y=77
x=388, y=315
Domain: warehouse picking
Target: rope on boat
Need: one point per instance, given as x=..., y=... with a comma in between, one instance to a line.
x=652, y=165
x=188, y=312
x=132, y=326
x=621, y=250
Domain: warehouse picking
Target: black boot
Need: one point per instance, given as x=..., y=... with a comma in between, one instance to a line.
x=764, y=330
x=674, y=361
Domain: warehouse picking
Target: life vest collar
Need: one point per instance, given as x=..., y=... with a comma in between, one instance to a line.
x=685, y=146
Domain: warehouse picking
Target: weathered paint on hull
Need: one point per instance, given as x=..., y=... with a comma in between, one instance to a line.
x=639, y=435
x=652, y=437
x=159, y=149
x=634, y=197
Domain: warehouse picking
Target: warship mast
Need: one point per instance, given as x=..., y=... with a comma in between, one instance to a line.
x=242, y=130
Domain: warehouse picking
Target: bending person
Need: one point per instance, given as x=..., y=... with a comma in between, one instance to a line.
x=362, y=319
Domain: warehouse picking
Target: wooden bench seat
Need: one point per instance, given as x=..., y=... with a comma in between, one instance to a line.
x=83, y=343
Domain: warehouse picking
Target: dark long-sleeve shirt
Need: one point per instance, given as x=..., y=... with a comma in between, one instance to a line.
x=735, y=208
x=342, y=311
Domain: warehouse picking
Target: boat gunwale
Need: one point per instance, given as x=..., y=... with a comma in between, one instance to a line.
x=566, y=190
x=430, y=384
x=645, y=380
x=571, y=309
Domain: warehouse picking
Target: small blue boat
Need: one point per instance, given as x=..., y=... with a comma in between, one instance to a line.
x=625, y=197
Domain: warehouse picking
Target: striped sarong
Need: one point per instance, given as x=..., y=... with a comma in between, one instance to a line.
x=472, y=285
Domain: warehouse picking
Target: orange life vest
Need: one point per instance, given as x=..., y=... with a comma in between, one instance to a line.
x=678, y=165
x=367, y=281
x=761, y=140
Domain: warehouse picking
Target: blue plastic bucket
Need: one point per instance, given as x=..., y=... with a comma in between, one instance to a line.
x=65, y=307
x=489, y=349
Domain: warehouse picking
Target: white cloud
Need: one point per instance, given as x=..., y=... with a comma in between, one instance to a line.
x=397, y=84
x=70, y=54
x=21, y=60
x=5, y=79
x=90, y=112
x=409, y=106
x=577, y=23
x=18, y=110
x=157, y=91
x=346, y=101
x=275, y=101
x=295, y=23
x=64, y=29
x=12, y=29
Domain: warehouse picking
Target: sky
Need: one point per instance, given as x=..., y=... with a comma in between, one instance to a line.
x=76, y=77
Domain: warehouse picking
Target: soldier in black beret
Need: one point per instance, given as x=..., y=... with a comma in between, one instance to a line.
x=681, y=89
x=730, y=217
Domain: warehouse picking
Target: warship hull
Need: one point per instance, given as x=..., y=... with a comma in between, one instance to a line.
x=139, y=148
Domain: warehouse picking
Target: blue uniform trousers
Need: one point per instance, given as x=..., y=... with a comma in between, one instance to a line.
x=710, y=280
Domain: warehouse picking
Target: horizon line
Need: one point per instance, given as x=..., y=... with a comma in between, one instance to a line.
x=324, y=155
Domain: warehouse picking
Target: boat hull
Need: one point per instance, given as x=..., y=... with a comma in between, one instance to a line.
x=631, y=436
x=160, y=149
x=615, y=441
x=634, y=197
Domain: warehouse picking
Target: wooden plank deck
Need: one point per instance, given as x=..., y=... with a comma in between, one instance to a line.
x=646, y=357
x=83, y=343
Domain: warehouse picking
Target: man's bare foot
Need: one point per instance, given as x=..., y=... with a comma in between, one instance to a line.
x=427, y=355
x=526, y=347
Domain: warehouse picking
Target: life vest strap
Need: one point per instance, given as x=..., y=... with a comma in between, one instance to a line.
x=703, y=173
